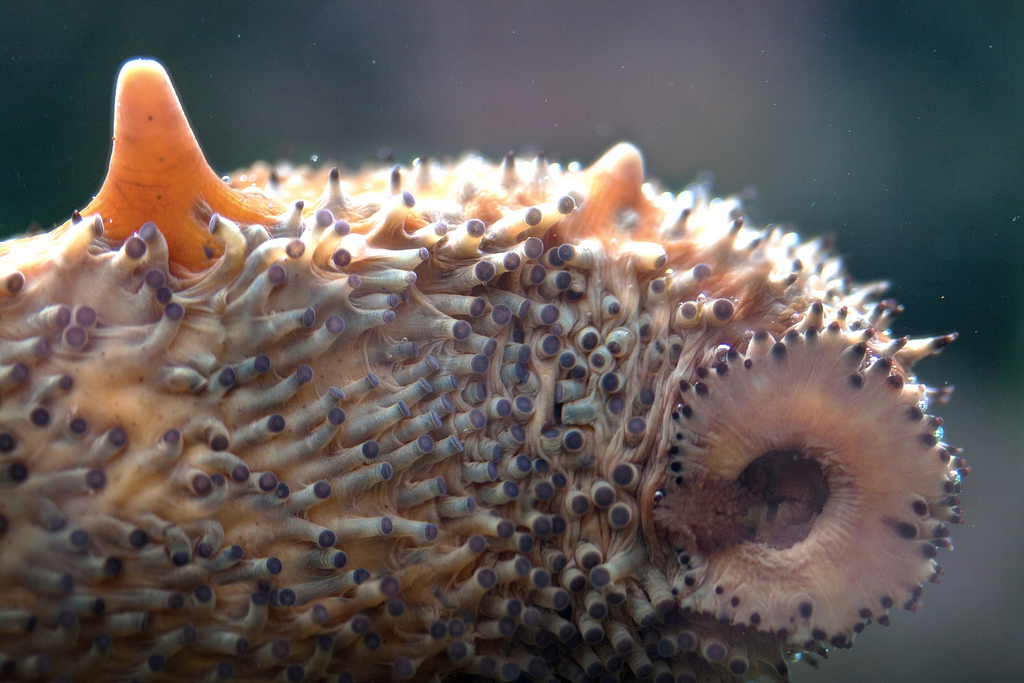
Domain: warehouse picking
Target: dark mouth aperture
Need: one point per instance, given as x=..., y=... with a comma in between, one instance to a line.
x=785, y=493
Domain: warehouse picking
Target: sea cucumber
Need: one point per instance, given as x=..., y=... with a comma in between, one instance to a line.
x=510, y=420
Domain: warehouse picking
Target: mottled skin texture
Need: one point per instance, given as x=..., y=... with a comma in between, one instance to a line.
x=500, y=421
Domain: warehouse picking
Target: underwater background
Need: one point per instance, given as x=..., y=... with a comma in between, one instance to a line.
x=897, y=128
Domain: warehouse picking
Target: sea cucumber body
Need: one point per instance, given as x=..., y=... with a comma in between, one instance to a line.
x=431, y=422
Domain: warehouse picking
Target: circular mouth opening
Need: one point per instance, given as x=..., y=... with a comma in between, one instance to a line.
x=785, y=493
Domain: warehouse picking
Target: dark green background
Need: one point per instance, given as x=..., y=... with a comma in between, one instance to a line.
x=896, y=127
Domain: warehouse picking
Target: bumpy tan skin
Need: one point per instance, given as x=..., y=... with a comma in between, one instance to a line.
x=475, y=420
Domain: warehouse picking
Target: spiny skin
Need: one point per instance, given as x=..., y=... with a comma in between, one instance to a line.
x=496, y=421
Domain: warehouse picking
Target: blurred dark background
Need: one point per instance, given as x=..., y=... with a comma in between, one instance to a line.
x=896, y=127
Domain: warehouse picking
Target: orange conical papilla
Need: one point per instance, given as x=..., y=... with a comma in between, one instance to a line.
x=158, y=173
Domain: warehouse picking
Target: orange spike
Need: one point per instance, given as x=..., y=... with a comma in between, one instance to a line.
x=615, y=184
x=158, y=172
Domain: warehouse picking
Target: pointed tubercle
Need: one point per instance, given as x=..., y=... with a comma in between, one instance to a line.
x=158, y=173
